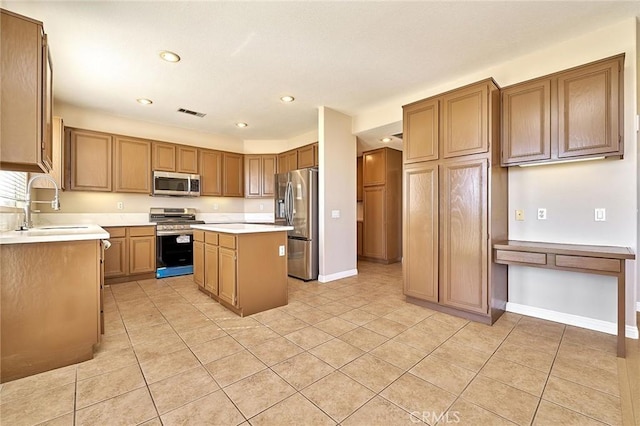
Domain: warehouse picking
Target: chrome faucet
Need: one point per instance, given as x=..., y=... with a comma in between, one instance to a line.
x=55, y=203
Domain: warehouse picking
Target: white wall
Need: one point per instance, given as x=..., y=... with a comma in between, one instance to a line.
x=337, y=182
x=569, y=192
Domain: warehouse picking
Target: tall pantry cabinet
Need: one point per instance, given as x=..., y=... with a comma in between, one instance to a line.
x=455, y=202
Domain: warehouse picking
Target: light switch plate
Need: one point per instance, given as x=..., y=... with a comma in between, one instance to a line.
x=335, y=214
x=520, y=215
x=542, y=214
x=600, y=215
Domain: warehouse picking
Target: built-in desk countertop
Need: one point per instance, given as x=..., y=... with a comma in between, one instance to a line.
x=600, y=260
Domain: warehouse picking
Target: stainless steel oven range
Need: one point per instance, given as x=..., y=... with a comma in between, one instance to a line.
x=174, y=240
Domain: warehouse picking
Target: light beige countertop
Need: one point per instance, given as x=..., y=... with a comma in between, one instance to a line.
x=242, y=228
x=52, y=233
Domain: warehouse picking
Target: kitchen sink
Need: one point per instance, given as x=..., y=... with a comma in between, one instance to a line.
x=62, y=227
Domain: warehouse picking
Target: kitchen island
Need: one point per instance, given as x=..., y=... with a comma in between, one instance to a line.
x=242, y=266
x=50, y=296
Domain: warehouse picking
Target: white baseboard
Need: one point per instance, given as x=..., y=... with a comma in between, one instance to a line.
x=337, y=275
x=569, y=319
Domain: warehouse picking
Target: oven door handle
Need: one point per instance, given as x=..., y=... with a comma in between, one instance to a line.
x=173, y=232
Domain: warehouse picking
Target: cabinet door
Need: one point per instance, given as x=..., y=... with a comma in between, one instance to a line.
x=252, y=176
x=374, y=222
x=306, y=157
x=359, y=237
x=132, y=165
x=268, y=173
x=463, y=235
x=526, y=122
x=142, y=255
x=421, y=123
x=199, y=263
x=465, y=121
x=26, y=95
x=316, y=160
x=232, y=185
x=359, y=179
x=283, y=163
x=210, y=172
x=115, y=259
x=211, y=272
x=374, y=167
x=187, y=159
x=292, y=160
x=164, y=157
x=227, y=275
x=420, y=253
x=588, y=108
x=90, y=160
x=58, y=170
x=47, y=106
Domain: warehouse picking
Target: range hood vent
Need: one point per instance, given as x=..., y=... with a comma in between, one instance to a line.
x=188, y=111
x=397, y=135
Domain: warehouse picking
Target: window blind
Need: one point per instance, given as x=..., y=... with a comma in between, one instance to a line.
x=13, y=186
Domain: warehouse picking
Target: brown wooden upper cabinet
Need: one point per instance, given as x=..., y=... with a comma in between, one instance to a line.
x=288, y=161
x=169, y=157
x=258, y=175
x=374, y=167
x=90, y=160
x=307, y=156
x=450, y=125
x=575, y=113
x=132, y=165
x=233, y=175
x=27, y=95
x=210, y=172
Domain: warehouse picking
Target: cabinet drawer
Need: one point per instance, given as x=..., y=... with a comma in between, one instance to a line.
x=211, y=238
x=142, y=231
x=521, y=257
x=117, y=232
x=591, y=263
x=228, y=241
x=198, y=235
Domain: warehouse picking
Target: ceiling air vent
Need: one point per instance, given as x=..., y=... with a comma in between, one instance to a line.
x=397, y=135
x=188, y=111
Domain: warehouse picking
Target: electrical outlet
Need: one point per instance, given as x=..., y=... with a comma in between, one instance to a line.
x=600, y=215
x=215, y=206
x=120, y=205
x=520, y=215
x=281, y=251
x=261, y=206
x=542, y=214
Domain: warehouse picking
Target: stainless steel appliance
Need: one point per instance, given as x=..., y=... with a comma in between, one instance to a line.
x=174, y=240
x=296, y=204
x=176, y=184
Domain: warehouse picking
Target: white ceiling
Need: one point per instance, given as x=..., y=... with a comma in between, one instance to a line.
x=238, y=58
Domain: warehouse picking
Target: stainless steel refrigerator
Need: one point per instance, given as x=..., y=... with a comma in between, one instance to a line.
x=296, y=198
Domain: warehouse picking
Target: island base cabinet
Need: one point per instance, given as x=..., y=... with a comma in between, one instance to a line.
x=245, y=272
x=50, y=300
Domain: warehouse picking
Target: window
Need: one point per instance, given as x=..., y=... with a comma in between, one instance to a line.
x=13, y=186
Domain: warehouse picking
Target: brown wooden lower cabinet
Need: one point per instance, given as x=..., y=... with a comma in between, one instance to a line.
x=132, y=254
x=244, y=272
x=360, y=236
x=50, y=305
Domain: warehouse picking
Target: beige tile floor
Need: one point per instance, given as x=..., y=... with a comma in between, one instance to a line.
x=349, y=352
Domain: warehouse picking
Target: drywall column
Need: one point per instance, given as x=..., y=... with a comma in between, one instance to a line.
x=638, y=161
x=337, y=196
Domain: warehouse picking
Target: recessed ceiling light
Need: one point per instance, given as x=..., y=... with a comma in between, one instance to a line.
x=169, y=56
x=385, y=140
x=241, y=125
x=144, y=101
x=287, y=99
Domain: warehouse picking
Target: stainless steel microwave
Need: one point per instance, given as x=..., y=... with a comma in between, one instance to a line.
x=176, y=184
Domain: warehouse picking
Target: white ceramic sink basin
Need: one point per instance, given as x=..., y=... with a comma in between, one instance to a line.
x=63, y=227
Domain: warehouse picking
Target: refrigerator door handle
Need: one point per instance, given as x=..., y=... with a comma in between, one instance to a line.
x=289, y=203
